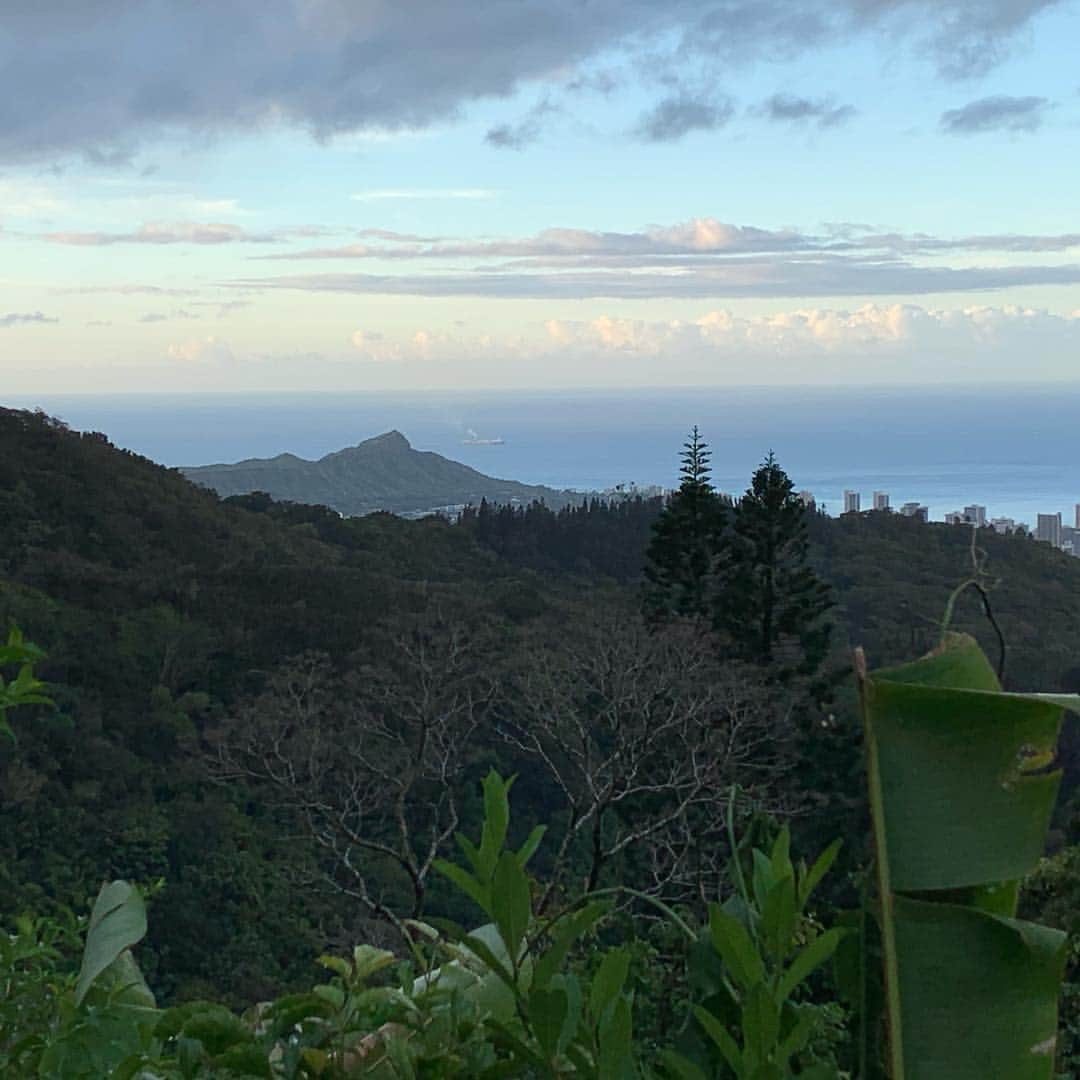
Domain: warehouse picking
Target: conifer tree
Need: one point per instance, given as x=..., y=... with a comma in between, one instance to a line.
x=685, y=540
x=769, y=605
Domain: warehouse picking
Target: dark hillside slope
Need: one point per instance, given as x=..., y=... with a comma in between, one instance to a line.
x=383, y=473
x=160, y=606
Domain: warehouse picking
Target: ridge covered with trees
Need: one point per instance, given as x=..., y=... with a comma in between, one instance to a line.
x=275, y=719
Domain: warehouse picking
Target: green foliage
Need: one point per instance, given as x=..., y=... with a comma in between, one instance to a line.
x=1051, y=895
x=961, y=803
x=770, y=605
x=686, y=537
x=24, y=689
x=762, y=949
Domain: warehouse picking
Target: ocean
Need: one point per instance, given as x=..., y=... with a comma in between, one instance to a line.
x=1015, y=450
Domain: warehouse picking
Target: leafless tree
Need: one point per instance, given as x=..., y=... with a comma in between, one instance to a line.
x=373, y=762
x=646, y=735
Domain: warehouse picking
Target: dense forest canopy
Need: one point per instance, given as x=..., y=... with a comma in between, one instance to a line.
x=186, y=634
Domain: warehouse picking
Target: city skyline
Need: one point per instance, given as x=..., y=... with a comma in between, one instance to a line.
x=321, y=195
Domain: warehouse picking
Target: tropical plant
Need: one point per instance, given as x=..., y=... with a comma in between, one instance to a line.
x=961, y=791
x=752, y=967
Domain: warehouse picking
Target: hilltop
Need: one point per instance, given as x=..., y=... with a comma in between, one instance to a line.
x=383, y=473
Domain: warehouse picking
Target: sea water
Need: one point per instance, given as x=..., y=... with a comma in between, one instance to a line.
x=1015, y=450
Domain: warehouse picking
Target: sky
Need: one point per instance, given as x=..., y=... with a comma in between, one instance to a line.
x=358, y=194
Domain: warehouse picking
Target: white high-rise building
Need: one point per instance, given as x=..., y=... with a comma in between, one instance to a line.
x=976, y=515
x=881, y=500
x=851, y=502
x=1048, y=529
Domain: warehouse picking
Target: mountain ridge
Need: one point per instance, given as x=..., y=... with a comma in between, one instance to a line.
x=384, y=472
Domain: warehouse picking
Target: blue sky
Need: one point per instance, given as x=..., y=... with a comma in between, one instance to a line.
x=324, y=194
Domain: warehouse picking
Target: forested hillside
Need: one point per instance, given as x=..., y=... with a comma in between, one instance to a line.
x=241, y=683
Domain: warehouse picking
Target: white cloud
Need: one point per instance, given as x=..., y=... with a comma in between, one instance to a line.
x=380, y=194
x=203, y=351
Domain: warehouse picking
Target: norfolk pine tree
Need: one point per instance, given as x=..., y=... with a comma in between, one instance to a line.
x=767, y=603
x=686, y=537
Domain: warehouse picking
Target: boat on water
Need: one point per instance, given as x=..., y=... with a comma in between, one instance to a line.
x=472, y=439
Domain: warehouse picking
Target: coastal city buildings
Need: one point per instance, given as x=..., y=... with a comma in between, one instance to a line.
x=1048, y=529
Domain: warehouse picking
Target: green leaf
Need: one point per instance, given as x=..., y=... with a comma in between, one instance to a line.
x=961, y=807
x=978, y=992
x=682, y=1068
x=780, y=859
x=496, y=821
x=778, y=917
x=615, y=1045
x=961, y=800
x=813, y=956
x=812, y=878
x=732, y=942
x=528, y=849
x=569, y=930
x=511, y=902
x=548, y=1011
x=722, y=1037
x=761, y=1024
x=608, y=981
x=117, y=921
x=466, y=883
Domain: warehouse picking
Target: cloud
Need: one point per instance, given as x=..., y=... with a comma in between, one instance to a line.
x=699, y=258
x=202, y=351
x=126, y=290
x=381, y=194
x=823, y=112
x=871, y=332
x=22, y=318
x=188, y=232
x=525, y=132
x=680, y=114
x=338, y=66
x=997, y=113
x=761, y=279
x=153, y=317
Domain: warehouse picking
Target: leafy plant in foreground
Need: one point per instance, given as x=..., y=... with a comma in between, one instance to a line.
x=754, y=963
x=961, y=792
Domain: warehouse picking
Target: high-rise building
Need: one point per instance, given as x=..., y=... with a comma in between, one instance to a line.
x=808, y=500
x=1078, y=515
x=976, y=515
x=955, y=518
x=1003, y=524
x=1048, y=529
x=881, y=500
x=916, y=510
x=851, y=502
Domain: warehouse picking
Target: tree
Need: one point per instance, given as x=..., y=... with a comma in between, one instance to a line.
x=685, y=540
x=768, y=603
x=373, y=763
x=643, y=734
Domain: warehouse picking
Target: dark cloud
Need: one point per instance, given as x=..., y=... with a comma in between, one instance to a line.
x=676, y=116
x=685, y=243
x=823, y=112
x=184, y=233
x=997, y=113
x=21, y=318
x=97, y=78
x=525, y=132
x=126, y=290
x=764, y=278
